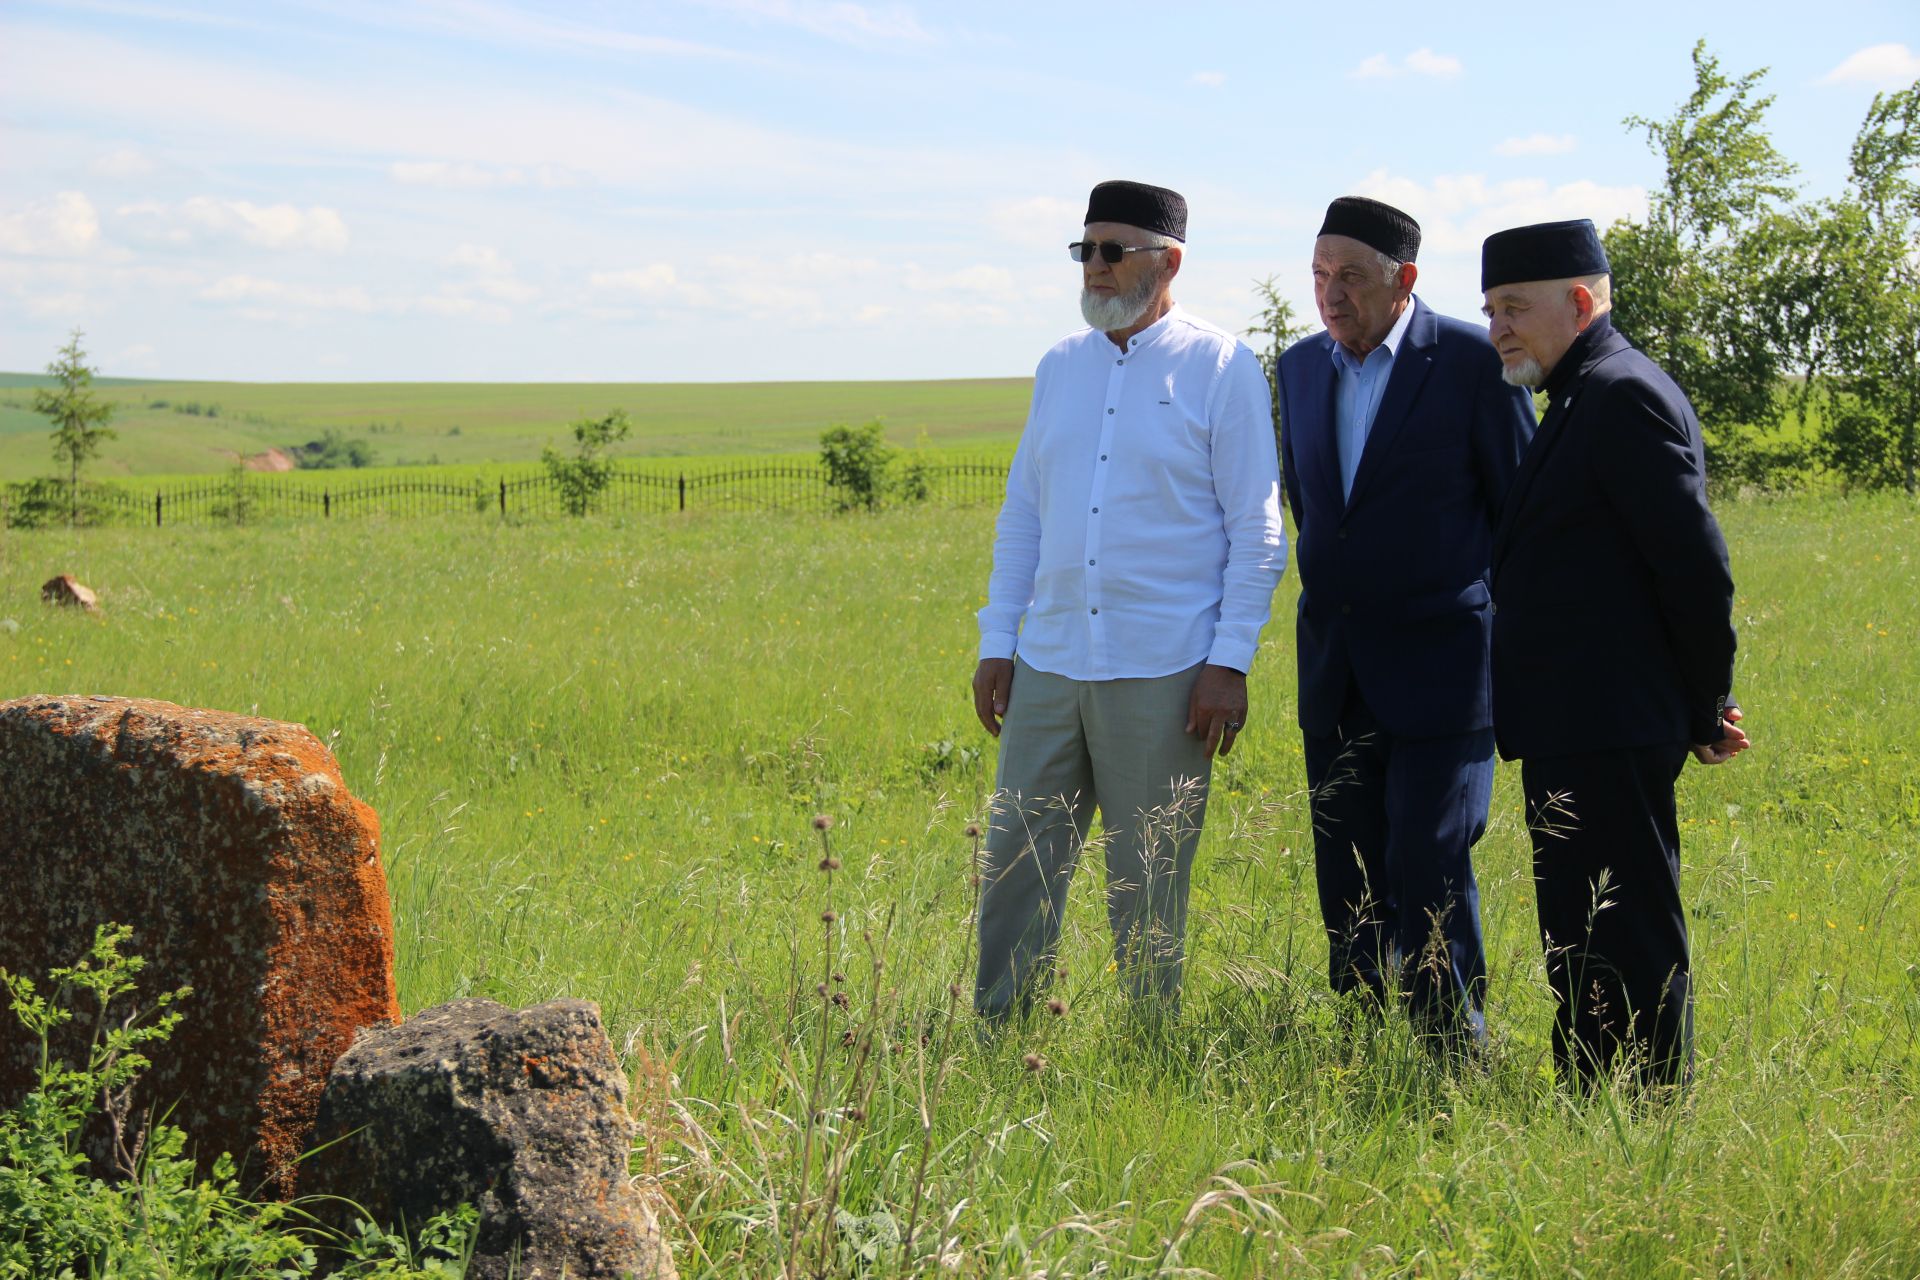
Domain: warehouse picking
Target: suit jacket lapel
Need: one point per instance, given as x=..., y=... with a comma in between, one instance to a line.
x=1411, y=365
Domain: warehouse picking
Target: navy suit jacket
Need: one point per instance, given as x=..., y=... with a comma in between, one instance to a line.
x=1610, y=577
x=1393, y=591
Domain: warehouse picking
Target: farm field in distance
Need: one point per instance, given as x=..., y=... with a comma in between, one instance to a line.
x=166, y=428
x=596, y=748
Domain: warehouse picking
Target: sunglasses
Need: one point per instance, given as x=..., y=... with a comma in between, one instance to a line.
x=1110, y=251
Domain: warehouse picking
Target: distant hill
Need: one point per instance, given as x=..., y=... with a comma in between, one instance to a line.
x=184, y=428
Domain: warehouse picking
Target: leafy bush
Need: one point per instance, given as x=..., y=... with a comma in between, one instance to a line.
x=332, y=451
x=45, y=501
x=156, y=1216
x=582, y=477
x=856, y=459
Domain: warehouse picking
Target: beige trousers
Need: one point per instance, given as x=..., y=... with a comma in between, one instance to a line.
x=1067, y=746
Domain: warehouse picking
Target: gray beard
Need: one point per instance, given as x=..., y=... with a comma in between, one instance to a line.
x=1527, y=373
x=1112, y=314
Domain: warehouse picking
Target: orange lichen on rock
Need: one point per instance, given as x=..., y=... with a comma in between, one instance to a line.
x=232, y=847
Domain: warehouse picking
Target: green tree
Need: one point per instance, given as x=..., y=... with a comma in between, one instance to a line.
x=1693, y=283
x=1279, y=328
x=79, y=416
x=856, y=459
x=1863, y=350
x=581, y=477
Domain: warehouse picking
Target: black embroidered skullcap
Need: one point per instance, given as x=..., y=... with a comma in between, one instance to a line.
x=1136, y=204
x=1376, y=225
x=1543, y=251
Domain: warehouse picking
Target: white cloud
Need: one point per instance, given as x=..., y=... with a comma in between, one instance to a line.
x=1538, y=144
x=1210, y=79
x=656, y=280
x=64, y=226
x=483, y=258
x=1881, y=66
x=454, y=175
x=978, y=279
x=123, y=162
x=1457, y=211
x=836, y=19
x=1038, y=223
x=275, y=226
x=253, y=294
x=1421, y=62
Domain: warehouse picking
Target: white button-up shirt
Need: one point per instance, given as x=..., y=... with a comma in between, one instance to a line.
x=1141, y=530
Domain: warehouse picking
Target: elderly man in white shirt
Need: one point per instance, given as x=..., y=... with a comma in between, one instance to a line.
x=1134, y=564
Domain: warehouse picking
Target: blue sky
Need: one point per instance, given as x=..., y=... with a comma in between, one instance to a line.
x=770, y=189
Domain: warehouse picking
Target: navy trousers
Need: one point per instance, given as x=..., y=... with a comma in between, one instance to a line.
x=1606, y=875
x=1394, y=824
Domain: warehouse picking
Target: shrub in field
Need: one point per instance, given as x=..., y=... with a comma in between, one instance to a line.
x=155, y=1217
x=856, y=459
x=581, y=477
x=51, y=500
x=332, y=451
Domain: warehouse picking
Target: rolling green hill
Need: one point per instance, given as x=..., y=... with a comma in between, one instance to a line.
x=188, y=428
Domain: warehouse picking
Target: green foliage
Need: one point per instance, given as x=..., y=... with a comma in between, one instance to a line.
x=155, y=1217
x=857, y=460
x=1279, y=328
x=1863, y=351
x=1691, y=284
x=51, y=500
x=79, y=416
x=236, y=505
x=333, y=451
x=582, y=477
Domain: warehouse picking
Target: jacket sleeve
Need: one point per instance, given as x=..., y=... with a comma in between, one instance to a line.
x=1289, y=473
x=1246, y=483
x=1649, y=466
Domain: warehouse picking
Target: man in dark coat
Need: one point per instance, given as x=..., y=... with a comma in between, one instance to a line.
x=1613, y=650
x=1398, y=442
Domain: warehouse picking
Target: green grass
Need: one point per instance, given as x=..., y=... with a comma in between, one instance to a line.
x=464, y=424
x=596, y=748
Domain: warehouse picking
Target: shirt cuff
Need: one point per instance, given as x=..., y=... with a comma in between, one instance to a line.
x=1232, y=654
x=997, y=644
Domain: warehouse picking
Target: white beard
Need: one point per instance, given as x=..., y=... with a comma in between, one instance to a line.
x=1527, y=373
x=1112, y=313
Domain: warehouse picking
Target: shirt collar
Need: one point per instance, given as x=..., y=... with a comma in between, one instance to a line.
x=1569, y=364
x=1153, y=332
x=1344, y=359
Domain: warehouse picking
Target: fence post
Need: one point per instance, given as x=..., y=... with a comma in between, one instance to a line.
x=503, y=497
x=326, y=504
x=156, y=508
x=683, y=491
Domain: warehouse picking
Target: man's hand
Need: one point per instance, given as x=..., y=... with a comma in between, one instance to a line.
x=1217, y=707
x=1731, y=743
x=992, y=687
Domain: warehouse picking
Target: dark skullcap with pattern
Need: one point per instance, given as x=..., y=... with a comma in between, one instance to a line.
x=1378, y=226
x=1543, y=251
x=1139, y=205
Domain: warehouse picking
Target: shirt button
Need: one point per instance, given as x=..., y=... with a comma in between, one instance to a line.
x=1119, y=361
x=1109, y=411
x=1089, y=562
x=1096, y=511
x=1103, y=457
x=1093, y=611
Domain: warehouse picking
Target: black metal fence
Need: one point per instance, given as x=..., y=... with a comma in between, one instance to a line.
x=252, y=498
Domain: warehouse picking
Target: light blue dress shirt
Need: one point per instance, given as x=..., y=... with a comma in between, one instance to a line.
x=1357, y=388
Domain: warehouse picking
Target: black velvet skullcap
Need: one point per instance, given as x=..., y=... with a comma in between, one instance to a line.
x=1136, y=204
x=1543, y=251
x=1376, y=225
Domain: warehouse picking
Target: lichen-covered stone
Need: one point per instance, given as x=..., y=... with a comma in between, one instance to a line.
x=231, y=846
x=520, y=1114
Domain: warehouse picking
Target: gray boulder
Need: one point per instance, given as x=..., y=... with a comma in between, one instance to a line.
x=521, y=1114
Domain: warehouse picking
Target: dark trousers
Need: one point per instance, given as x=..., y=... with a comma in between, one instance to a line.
x=1606, y=874
x=1394, y=824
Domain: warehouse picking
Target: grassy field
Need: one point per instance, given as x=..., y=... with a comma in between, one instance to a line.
x=192, y=428
x=596, y=749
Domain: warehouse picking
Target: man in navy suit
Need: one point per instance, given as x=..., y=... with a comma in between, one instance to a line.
x=1398, y=441
x=1613, y=650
